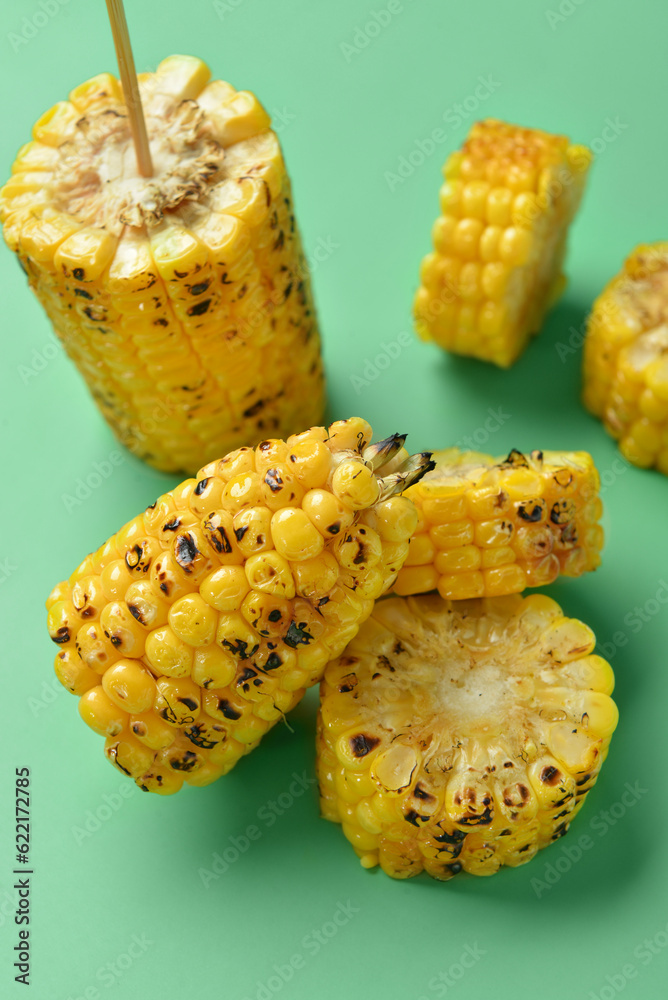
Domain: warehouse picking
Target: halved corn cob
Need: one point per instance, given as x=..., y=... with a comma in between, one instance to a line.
x=462, y=735
x=490, y=526
x=184, y=299
x=196, y=627
x=626, y=357
x=509, y=197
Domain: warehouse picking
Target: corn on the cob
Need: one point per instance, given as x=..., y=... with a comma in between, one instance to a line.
x=196, y=627
x=184, y=299
x=462, y=735
x=489, y=527
x=626, y=357
x=509, y=197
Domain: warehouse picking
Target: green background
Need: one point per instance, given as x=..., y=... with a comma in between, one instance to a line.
x=347, y=117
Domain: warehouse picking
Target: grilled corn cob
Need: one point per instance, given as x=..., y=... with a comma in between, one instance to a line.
x=626, y=357
x=490, y=527
x=462, y=735
x=184, y=299
x=201, y=622
x=509, y=197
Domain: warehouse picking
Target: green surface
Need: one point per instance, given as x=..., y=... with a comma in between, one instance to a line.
x=347, y=117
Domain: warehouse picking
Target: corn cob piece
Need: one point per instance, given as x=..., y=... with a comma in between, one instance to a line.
x=184, y=299
x=490, y=527
x=626, y=357
x=509, y=197
x=462, y=735
x=196, y=627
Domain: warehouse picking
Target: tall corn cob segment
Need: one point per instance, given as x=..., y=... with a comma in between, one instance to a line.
x=196, y=627
x=509, y=197
x=489, y=527
x=184, y=298
x=464, y=735
x=626, y=357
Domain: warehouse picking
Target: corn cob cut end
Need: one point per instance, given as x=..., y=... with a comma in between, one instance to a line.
x=184, y=299
x=462, y=736
x=625, y=367
x=200, y=624
x=509, y=197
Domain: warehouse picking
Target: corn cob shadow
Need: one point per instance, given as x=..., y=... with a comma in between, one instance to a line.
x=539, y=382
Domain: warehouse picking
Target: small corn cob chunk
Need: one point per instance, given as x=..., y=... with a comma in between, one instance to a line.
x=509, y=196
x=490, y=527
x=184, y=298
x=197, y=626
x=626, y=357
x=461, y=735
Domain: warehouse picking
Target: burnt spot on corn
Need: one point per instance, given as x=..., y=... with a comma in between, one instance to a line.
x=560, y=831
x=456, y=838
x=334, y=528
x=164, y=587
x=62, y=635
x=421, y=793
x=78, y=273
x=454, y=868
x=139, y=728
x=569, y=535
x=137, y=558
x=201, y=486
x=185, y=761
x=323, y=601
x=477, y=819
x=83, y=293
x=275, y=615
x=348, y=683
x=172, y=525
x=563, y=478
x=137, y=614
x=190, y=703
x=273, y=662
x=186, y=551
x=253, y=410
x=227, y=710
x=562, y=512
x=199, y=288
x=537, y=456
x=272, y=478
x=199, y=308
x=531, y=510
x=112, y=754
x=114, y=639
x=197, y=734
x=515, y=460
x=397, y=649
x=500, y=499
x=297, y=635
x=362, y=744
x=240, y=648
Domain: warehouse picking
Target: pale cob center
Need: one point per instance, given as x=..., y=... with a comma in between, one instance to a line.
x=473, y=671
x=95, y=177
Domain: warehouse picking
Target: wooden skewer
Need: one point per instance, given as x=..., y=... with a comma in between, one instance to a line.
x=126, y=66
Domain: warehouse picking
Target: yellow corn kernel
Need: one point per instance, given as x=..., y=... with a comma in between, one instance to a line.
x=499, y=242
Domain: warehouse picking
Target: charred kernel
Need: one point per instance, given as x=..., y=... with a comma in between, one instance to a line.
x=562, y=512
x=227, y=710
x=532, y=510
x=363, y=744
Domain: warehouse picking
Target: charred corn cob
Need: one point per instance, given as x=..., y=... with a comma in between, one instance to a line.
x=462, y=735
x=509, y=197
x=201, y=622
x=626, y=357
x=183, y=299
x=489, y=527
